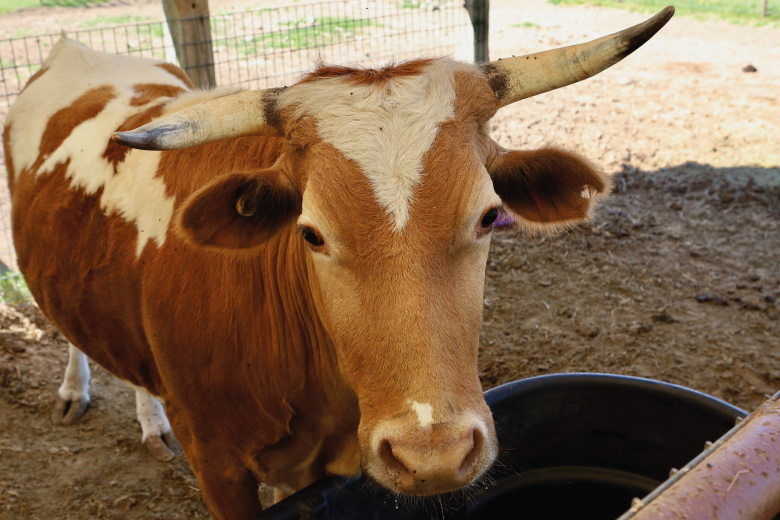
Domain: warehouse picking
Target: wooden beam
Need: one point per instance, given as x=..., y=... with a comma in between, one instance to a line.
x=479, y=12
x=188, y=21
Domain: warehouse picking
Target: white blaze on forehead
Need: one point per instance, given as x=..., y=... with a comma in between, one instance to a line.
x=133, y=191
x=386, y=128
x=424, y=413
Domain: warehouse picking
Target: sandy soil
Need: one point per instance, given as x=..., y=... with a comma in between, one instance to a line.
x=676, y=279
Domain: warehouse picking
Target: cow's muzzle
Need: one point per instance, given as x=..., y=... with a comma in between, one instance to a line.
x=431, y=460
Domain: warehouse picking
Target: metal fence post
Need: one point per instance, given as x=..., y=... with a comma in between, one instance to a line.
x=479, y=12
x=190, y=28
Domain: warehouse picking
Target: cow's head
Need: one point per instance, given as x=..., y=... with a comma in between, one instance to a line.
x=393, y=186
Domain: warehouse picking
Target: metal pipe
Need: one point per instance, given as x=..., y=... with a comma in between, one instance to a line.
x=737, y=477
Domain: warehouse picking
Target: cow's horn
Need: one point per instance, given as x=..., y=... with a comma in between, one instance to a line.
x=518, y=78
x=246, y=113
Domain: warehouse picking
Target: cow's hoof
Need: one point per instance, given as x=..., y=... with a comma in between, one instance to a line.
x=68, y=412
x=163, y=447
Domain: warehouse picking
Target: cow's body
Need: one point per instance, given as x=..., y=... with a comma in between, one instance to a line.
x=305, y=302
x=79, y=227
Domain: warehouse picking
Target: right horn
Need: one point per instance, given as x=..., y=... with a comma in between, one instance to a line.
x=245, y=113
x=518, y=78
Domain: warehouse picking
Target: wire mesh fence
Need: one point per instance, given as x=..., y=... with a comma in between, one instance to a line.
x=257, y=49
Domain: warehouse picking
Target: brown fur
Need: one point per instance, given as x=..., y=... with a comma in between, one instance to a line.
x=64, y=121
x=70, y=219
x=259, y=348
x=212, y=219
x=212, y=287
x=360, y=76
x=115, y=153
x=9, y=161
x=35, y=76
x=147, y=92
x=545, y=186
x=177, y=73
x=475, y=101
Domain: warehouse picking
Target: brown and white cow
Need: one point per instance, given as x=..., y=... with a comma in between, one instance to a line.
x=299, y=276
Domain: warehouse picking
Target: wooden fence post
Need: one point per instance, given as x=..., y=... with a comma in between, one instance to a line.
x=188, y=21
x=763, y=11
x=479, y=12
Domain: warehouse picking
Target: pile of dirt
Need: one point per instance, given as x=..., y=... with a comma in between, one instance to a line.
x=96, y=469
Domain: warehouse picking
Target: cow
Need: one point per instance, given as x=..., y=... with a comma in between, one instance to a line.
x=291, y=278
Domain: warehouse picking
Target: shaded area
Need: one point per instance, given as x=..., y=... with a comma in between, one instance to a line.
x=676, y=279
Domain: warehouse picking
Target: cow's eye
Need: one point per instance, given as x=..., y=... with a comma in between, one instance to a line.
x=312, y=237
x=489, y=218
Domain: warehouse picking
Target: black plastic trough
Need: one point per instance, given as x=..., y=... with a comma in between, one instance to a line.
x=573, y=446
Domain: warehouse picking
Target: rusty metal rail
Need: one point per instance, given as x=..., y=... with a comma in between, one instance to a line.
x=737, y=477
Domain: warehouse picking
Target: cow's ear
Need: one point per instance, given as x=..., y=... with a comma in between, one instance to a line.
x=239, y=210
x=547, y=188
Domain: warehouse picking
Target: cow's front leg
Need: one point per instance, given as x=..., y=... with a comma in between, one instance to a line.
x=229, y=489
x=156, y=430
x=73, y=395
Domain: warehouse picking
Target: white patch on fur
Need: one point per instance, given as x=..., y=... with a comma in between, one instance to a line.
x=151, y=414
x=424, y=413
x=75, y=385
x=138, y=196
x=74, y=69
x=134, y=192
x=386, y=129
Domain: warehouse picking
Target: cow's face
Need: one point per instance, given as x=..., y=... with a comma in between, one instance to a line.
x=391, y=186
x=398, y=242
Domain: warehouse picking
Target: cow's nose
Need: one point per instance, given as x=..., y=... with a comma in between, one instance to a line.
x=430, y=464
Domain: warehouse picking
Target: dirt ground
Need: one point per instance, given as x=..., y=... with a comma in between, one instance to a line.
x=676, y=279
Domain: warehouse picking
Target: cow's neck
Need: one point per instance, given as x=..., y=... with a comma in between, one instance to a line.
x=290, y=304
x=326, y=415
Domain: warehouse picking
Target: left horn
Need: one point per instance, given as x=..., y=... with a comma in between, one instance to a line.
x=518, y=78
x=246, y=113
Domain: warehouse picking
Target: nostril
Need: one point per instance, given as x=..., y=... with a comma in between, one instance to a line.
x=467, y=466
x=392, y=462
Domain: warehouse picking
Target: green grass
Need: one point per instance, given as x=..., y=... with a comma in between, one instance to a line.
x=72, y=3
x=114, y=20
x=255, y=10
x=155, y=29
x=738, y=11
x=524, y=24
x=14, y=290
x=301, y=35
x=23, y=31
x=10, y=6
